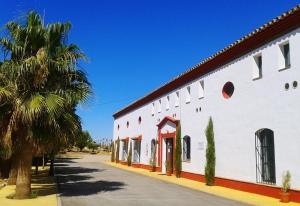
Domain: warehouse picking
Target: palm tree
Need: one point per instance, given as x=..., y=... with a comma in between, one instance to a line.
x=40, y=87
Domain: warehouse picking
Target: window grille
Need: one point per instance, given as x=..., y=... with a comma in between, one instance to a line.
x=265, y=156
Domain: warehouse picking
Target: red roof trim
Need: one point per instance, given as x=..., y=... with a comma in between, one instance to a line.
x=167, y=119
x=270, y=31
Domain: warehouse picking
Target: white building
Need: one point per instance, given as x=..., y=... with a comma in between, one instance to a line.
x=251, y=91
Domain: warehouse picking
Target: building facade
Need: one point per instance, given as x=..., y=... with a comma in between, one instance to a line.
x=250, y=90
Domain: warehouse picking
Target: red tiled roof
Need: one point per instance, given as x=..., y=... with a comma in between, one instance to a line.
x=280, y=25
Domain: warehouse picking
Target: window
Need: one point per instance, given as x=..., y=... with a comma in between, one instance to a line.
x=285, y=61
x=186, y=148
x=265, y=156
x=167, y=103
x=152, y=149
x=188, y=95
x=127, y=124
x=201, y=89
x=228, y=90
x=140, y=120
x=257, y=69
x=153, y=109
x=176, y=99
x=159, y=106
x=124, y=150
x=118, y=126
x=136, y=150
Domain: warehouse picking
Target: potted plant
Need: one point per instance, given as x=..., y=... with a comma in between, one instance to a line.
x=152, y=165
x=286, y=185
x=168, y=168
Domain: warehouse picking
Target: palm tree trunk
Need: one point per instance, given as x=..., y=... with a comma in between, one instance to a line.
x=12, y=179
x=23, y=184
x=4, y=168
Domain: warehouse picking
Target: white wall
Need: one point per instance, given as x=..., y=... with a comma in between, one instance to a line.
x=255, y=104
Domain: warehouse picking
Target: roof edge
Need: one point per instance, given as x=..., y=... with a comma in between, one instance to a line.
x=279, y=26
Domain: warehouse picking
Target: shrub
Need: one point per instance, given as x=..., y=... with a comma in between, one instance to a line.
x=129, y=157
x=118, y=150
x=286, y=181
x=178, y=160
x=112, y=159
x=210, y=154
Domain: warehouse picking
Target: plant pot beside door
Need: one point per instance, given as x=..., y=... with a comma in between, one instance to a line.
x=286, y=184
x=168, y=168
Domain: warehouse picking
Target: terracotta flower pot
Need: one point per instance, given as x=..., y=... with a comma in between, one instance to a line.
x=152, y=169
x=169, y=172
x=285, y=197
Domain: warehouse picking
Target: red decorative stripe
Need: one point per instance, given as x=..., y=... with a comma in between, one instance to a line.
x=260, y=189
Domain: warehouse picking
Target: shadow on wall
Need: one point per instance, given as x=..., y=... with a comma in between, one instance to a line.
x=74, y=181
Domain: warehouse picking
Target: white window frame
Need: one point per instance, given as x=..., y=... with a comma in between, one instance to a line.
x=167, y=102
x=159, y=106
x=257, y=67
x=284, y=63
x=177, y=99
x=188, y=95
x=201, y=89
x=153, y=108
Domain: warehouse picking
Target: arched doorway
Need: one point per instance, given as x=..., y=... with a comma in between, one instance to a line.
x=265, y=156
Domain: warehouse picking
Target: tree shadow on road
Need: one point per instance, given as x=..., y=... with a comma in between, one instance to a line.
x=88, y=188
x=76, y=181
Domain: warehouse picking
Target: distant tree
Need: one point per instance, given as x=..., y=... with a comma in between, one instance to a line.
x=118, y=150
x=129, y=157
x=178, y=160
x=83, y=140
x=210, y=154
x=92, y=145
x=112, y=159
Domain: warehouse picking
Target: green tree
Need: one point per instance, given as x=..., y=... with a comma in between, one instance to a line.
x=112, y=159
x=40, y=87
x=118, y=151
x=83, y=140
x=210, y=154
x=129, y=157
x=93, y=146
x=178, y=152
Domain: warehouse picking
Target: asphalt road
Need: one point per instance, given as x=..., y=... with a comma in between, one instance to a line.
x=86, y=182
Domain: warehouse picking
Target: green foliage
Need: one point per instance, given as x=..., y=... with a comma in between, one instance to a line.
x=210, y=154
x=152, y=161
x=84, y=139
x=112, y=159
x=178, y=152
x=118, y=150
x=129, y=157
x=168, y=165
x=286, y=181
x=92, y=145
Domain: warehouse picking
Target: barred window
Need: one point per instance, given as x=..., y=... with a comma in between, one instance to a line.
x=186, y=148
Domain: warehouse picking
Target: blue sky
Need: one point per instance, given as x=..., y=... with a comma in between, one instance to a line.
x=134, y=46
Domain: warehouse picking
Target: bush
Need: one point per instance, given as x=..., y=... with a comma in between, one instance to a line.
x=286, y=181
x=129, y=157
x=210, y=154
x=112, y=159
x=118, y=150
x=178, y=160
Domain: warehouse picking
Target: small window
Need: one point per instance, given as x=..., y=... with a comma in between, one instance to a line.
x=188, y=95
x=127, y=124
x=285, y=61
x=153, y=109
x=140, y=120
x=201, y=89
x=118, y=126
x=186, y=148
x=176, y=99
x=159, y=106
x=167, y=103
x=257, y=70
x=228, y=90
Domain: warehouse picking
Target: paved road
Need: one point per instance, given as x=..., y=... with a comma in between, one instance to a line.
x=86, y=182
